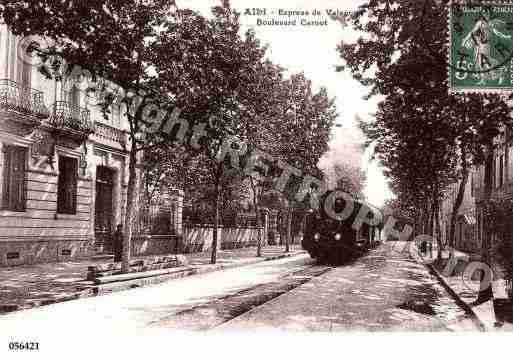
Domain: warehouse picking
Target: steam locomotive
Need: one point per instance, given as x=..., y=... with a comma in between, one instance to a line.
x=331, y=232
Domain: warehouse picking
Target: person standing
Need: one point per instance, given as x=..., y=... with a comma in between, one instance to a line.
x=118, y=243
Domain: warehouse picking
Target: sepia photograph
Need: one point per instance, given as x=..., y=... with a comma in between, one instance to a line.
x=236, y=178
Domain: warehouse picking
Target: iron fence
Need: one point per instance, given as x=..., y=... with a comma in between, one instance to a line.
x=155, y=220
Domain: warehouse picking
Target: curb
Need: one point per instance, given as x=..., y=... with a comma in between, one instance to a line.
x=465, y=306
x=186, y=272
x=9, y=308
x=97, y=290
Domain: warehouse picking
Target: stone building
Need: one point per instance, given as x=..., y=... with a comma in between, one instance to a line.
x=502, y=179
x=469, y=228
x=63, y=165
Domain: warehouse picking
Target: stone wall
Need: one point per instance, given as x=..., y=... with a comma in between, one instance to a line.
x=199, y=238
x=43, y=251
x=156, y=244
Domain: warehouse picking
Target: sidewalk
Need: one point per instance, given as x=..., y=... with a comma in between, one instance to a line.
x=30, y=286
x=491, y=314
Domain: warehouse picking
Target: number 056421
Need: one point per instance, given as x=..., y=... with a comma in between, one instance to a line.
x=18, y=346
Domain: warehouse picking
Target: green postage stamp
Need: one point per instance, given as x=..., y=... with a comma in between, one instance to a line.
x=481, y=47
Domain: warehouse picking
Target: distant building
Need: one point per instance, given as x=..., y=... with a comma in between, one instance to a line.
x=469, y=227
x=466, y=235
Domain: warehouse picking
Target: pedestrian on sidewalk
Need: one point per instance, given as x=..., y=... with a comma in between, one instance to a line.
x=118, y=243
x=423, y=248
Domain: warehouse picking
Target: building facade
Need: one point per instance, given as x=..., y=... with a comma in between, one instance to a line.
x=469, y=228
x=466, y=230
x=63, y=165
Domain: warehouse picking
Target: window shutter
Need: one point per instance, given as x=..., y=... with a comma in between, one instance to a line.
x=19, y=181
x=73, y=184
x=13, y=196
x=7, y=177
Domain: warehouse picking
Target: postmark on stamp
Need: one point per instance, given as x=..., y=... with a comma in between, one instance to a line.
x=480, y=47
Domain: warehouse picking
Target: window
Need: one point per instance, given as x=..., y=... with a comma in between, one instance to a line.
x=67, y=185
x=13, y=191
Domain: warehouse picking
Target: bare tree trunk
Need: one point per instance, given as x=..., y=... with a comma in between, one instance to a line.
x=456, y=208
x=282, y=228
x=425, y=220
x=289, y=229
x=438, y=232
x=485, y=290
x=131, y=200
x=213, y=258
x=257, y=214
x=431, y=208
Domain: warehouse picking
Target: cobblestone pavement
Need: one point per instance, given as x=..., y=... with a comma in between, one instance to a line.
x=384, y=290
x=26, y=286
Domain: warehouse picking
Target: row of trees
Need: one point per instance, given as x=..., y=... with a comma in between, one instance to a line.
x=167, y=59
x=425, y=137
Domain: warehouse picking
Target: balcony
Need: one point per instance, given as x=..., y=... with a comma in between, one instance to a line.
x=14, y=97
x=72, y=120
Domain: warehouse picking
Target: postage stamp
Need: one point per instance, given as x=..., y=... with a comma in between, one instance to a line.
x=480, y=47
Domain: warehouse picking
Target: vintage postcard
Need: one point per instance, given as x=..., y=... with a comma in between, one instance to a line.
x=242, y=178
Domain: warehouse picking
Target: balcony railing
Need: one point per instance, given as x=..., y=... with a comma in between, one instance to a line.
x=68, y=117
x=22, y=99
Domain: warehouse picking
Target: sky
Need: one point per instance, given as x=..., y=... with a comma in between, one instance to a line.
x=312, y=50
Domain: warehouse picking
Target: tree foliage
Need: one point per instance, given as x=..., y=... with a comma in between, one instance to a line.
x=425, y=137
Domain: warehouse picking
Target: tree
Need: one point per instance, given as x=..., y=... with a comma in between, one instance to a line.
x=224, y=64
x=262, y=103
x=302, y=138
x=408, y=61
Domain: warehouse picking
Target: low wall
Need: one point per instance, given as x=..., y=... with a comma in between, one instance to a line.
x=199, y=238
x=14, y=253
x=240, y=237
x=155, y=244
x=195, y=239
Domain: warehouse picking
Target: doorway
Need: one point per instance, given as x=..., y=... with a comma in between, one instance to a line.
x=104, y=211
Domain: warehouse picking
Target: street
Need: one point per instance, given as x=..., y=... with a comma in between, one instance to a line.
x=384, y=290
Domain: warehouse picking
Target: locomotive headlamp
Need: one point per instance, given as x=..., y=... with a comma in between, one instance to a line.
x=338, y=237
x=317, y=236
